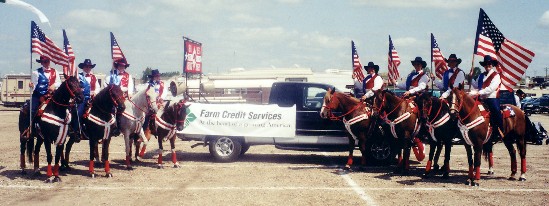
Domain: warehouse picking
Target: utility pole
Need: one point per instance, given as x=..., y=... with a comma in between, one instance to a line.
x=546, y=68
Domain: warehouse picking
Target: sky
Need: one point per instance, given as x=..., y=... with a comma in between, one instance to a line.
x=255, y=34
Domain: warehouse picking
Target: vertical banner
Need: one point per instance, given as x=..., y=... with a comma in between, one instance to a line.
x=193, y=56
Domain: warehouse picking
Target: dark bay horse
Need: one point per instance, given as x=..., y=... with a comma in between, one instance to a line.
x=26, y=140
x=441, y=128
x=51, y=124
x=474, y=126
x=402, y=117
x=164, y=126
x=357, y=118
x=99, y=120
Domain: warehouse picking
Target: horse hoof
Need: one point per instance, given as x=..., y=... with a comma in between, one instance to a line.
x=129, y=167
x=512, y=178
x=490, y=173
x=49, y=180
x=160, y=166
x=176, y=166
x=342, y=171
x=56, y=179
x=522, y=179
x=108, y=175
x=92, y=175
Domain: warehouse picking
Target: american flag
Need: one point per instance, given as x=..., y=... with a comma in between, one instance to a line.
x=116, y=52
x=393, y=61
x=357, y=66
x=438, y=58
x=513, y=59
x=68, y=70
x=42, y=45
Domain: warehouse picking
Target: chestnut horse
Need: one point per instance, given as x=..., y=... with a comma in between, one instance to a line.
x=515, y=130
x=356, y=116
x=442, y=130
x=51, y=123
x=402, y=117
x=164, y=126
x=99, y=120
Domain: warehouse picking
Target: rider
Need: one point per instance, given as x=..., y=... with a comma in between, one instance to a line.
x=120, y=77
x=451, y=77
x=44, y=81
x=372, y=82
x=158, y=86
x=416, y=81
x=487, y=87
x=90, y=86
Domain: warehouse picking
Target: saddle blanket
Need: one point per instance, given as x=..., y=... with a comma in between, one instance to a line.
x=507, y=112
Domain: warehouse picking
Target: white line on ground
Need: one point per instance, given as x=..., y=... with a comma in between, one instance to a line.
x=355, y=187
x=472, y=189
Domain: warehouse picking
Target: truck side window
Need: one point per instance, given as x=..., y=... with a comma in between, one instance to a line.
x=286, y=95
x=19, y=84
x=314, y=97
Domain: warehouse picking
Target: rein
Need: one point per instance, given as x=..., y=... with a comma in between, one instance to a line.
x=431, y=107
x=330, y=107
x=72, y=95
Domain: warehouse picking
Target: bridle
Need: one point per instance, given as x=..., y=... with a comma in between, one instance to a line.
x=383, y=104
x=459, y=107
x=113, y=99
x=71, y=93
x=332, y=106
x=428, y=111
x=149, y=102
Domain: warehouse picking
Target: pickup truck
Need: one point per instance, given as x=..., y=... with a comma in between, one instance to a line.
x=313, y=133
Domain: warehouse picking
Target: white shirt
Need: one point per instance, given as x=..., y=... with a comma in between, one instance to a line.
x=378, y=83
x=459, y=80
x=34, y=78
x=421, y=85
x=491, y=90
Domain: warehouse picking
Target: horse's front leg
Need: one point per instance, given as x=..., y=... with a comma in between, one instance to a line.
x=174, y=155
x=350, y=157
x=521, y=145
x=91, y=167
x=65, y=159
x=437, y=156
x=513, y=156
x=477, y=162
x=160, y=165
x=105, y=157
x=432, y=148
x=471, y=175
x=145, y=139
x=49, y=158
x=406, y=158
x=446, y=166
x=58, y=153
x=39, y=142
x=23, y=148
x=128, y=143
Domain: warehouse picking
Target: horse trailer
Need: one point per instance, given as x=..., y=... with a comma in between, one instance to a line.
x=15, y=89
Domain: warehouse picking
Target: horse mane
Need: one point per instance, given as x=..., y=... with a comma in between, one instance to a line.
x=350, y=97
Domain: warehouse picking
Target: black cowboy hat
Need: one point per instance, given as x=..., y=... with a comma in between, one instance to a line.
x=453, y=57
x=121, y=61
x=43, y=58
x=87, y=62
x=419, y=60
x=372, y=65
x=154, y=73
x=488, y=59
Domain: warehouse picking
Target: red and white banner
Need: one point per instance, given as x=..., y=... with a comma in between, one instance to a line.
x=193, y=57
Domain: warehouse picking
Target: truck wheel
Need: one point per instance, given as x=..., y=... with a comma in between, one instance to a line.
x=380, y=152
x=225, y=149
x=245, y=148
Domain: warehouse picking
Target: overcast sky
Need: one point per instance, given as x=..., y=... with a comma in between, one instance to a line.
x=264, y=34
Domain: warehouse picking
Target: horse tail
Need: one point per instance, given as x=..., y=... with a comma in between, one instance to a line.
x=529, y=128
x=487, y=149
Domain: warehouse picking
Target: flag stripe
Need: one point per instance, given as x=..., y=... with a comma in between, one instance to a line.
x=357, y=66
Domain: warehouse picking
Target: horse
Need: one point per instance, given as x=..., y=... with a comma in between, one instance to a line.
x=474, y=126
x=99, y=116
x=441, y=128
x=356, y=116
x=402, y=117
x=131, y=121
x=164, y=127
x=26, y=140
x=51, y=122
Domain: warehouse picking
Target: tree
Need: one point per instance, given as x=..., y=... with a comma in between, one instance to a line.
x=145, y=76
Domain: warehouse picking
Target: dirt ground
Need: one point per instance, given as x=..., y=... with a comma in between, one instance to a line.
x=264, y=176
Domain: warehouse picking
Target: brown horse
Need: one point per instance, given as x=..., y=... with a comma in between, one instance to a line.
x=166, y=123
x=402, y=116
x=474, y=126
x=356, y=116
x=441, y=128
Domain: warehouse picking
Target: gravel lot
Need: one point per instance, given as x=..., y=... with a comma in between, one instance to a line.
x=264, y=176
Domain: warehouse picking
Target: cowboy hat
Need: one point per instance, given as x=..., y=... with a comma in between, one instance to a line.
x=372, y=65
x=419, y=60
x=87, y=62
x=154, y=73
x=488, y=60
x=453, y=57
x=42, y=59
x=121, y=61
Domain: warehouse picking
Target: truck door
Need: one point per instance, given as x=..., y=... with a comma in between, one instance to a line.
x=308, y=117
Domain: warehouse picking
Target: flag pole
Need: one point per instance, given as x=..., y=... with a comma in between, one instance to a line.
x=31, y=89
x=471, y=72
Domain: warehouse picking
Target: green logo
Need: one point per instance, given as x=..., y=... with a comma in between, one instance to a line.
x=190, y=117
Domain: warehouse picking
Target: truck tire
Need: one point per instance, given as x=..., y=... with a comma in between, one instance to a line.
x=225, y=149
x=380, y=152
x=245, y=148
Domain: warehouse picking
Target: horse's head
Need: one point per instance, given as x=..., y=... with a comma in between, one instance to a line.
x=181, y=114
x=330, y=103
x=425, y=104
x=456, y=99
x=117, y=97
x=72, y=84
x=151, y=96
x=379, y=99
